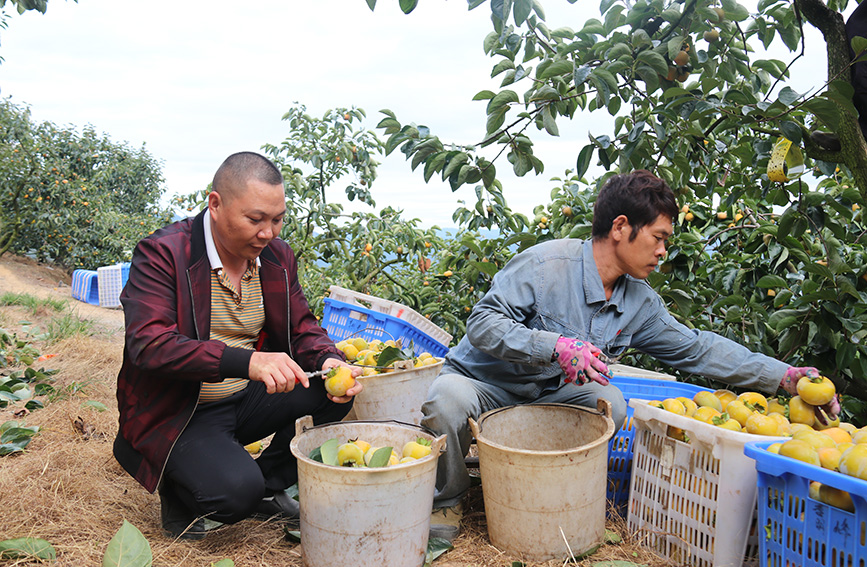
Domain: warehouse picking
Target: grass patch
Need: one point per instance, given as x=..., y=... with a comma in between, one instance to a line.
x=31, y=303
x=66, y=326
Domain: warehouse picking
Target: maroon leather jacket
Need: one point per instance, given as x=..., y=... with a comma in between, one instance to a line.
x=167, y=354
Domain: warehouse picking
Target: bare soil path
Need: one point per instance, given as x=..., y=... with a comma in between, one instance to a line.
x=23, y=275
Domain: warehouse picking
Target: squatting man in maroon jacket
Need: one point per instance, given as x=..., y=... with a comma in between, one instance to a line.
x=188, y=401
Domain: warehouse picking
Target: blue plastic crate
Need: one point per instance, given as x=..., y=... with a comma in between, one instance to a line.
x=85, y=286
x=620, y=446
x=798, y=531
x=342, y=320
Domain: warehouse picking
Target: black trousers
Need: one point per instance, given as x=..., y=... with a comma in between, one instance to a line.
x=210, y=471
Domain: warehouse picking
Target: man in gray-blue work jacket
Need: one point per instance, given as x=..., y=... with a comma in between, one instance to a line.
x=535, y=336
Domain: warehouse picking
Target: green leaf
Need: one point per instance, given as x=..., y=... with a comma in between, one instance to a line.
x=434, y=164
x=371, y=4
x=549, y=122
x=518, y=237
x=501, y=100
x=484, y=95
x=408, y=6
x=436, y=546
x=18, y=434
x=791, y=130
x=225, y=562
x=589, y=552
x=455, y=162
x=521, y=10
x=503, y=65
x=583, y=162
x=618, y=51
x=654, y=60
x=495, y=120
x=380, y=457
x=612, y=537
x=486, y=267
x=771, y=281
x=824, y=110
x=291, y=535
x=128, y=548
x=555, y=69
x=98, y=406
x=788, y=96
x=783, y=318
x=580, y=74
x=27, y=548
x=859, y=45
x=390, y=354
x=328, y=450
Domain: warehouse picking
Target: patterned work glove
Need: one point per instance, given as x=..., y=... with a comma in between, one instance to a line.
x=789, y=383
x=579, y=363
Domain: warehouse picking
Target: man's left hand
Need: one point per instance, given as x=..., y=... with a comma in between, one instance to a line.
x=356, y=372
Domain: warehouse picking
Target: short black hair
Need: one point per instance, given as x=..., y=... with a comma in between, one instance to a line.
x=639, y=195
x=239, y=168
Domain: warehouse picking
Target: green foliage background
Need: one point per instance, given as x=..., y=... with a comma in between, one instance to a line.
x=74, y=198
x=779, y=267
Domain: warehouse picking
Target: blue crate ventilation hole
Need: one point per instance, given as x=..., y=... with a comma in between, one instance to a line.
x=342, y=320
x=621, y=445
x=85, y=286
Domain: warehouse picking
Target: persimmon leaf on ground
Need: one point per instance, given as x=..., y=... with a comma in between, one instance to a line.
x=436, y=546
x=128, y=548
x=225, y=562
x=98, y=406
x=589, y=552
x=291, y=535
x=612, y=537
x=27, y=547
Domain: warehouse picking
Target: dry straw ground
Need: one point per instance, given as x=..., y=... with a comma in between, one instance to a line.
x=68, y=489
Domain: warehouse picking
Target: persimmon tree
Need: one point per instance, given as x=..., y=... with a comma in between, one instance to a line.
x=72, y=197
x=774, y=261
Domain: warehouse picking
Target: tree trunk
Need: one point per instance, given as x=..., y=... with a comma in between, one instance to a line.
x=853, y=150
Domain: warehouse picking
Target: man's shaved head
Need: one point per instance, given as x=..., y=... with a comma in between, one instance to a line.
x=238, y=169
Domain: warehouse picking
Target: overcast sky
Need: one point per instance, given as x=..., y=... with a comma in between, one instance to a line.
x=199, y=80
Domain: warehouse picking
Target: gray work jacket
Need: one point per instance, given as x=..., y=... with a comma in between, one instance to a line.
x=553, y=289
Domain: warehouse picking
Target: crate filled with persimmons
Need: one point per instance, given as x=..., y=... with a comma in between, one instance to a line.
x=690, y=475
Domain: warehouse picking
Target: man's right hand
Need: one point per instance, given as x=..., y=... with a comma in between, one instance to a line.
x=578, y=361
x=277, y=371
x=789, y=383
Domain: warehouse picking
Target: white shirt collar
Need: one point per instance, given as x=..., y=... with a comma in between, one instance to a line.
x=211, y=246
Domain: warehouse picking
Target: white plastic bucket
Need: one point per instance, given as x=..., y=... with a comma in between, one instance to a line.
x=364, y=516
x=544, y=469
x=395, y=395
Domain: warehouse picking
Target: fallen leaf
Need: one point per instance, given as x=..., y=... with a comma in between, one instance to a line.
x=86, y=430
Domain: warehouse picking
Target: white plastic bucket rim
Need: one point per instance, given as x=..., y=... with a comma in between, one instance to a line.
x=604, y=410
x=305, y=424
